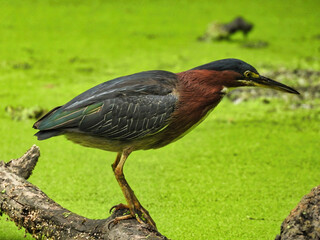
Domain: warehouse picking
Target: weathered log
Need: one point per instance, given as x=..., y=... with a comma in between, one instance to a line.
x=30, y=208
x=303, y=222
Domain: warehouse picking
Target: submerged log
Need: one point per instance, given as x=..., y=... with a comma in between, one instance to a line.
x=32, y=209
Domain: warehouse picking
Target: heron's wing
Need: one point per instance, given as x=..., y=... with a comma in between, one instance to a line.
x=129, y=118
x=138, y=84
x=128, y=108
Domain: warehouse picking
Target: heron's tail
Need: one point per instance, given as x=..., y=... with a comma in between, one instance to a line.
x=45, y=134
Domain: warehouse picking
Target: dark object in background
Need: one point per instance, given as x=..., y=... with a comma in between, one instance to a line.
x=223, y=31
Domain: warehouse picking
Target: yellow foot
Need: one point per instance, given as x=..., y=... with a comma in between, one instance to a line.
x=119, y=206
x=118, y=219
x=142, y=215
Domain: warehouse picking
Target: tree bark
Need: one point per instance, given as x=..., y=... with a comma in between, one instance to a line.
x=30, y=208
x=303, y=222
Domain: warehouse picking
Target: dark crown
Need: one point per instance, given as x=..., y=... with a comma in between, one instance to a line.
x=227, y=64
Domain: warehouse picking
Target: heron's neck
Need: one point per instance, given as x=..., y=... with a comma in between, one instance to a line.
x=201, y=86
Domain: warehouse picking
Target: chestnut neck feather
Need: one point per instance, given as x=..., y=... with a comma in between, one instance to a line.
x=199, y=92
x=205, y=86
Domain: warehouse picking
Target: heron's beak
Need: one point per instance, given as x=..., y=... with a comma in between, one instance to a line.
x=262, y=81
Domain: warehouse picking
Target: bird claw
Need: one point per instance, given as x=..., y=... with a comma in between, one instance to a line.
x=144, y=217
x=109, y=224
x=141, y=215
x=118, y=219
x=118, y=207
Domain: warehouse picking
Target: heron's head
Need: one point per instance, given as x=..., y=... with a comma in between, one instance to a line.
x=237, y=73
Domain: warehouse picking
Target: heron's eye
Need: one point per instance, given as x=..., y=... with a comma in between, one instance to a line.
x=247, y=74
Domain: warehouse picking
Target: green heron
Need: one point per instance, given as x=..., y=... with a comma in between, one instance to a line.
x=147, y=110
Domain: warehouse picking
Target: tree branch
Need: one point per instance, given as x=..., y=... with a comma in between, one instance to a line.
x=303, y=221
x=30, y=208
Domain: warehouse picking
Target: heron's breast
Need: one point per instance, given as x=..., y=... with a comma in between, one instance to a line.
x=94, y=141
x=184, y=119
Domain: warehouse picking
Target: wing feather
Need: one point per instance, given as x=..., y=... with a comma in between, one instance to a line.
x=133, y=123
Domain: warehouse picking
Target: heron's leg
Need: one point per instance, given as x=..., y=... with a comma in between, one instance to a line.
x=118, y=206
x=134, y=205
x=116, y=162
